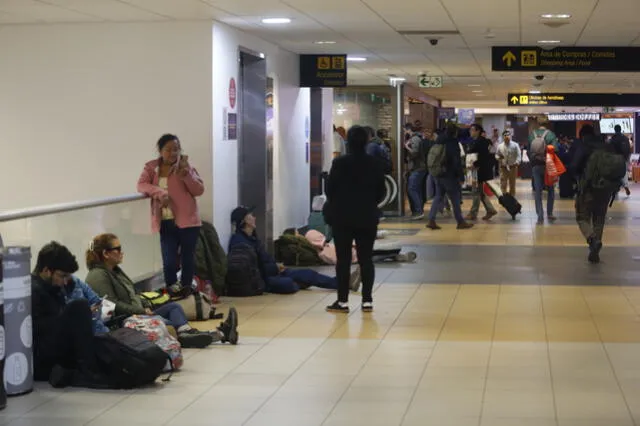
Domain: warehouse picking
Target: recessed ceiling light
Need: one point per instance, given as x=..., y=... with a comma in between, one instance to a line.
x=476, y=91
x=548, y=41
x=324, y=42
x=555, y=16
x=480, y=94
x=356, y=59
x=276, y=21
x=534, y=92
x=473, y=85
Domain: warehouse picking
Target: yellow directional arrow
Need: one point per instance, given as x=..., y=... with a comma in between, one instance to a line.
x=514, y=100
x=508, y=58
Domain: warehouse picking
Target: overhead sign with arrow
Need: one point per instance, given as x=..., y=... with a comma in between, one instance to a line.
x=430, y=82
x=570, y=59
x=573, y=99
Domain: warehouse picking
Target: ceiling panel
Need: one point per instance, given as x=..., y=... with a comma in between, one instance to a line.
x=485, y=13
x=409, y=15
x=109, y=10
x=42, y=12
x=182, y=9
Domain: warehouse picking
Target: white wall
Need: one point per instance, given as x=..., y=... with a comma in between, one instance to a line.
x=491, y=121
x=291, y=107
x=327, y=128
x=81, y=107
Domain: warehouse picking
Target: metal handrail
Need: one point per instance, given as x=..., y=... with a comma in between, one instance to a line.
x=8, y=215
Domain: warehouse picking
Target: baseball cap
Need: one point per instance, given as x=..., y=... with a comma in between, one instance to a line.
x=239, y=213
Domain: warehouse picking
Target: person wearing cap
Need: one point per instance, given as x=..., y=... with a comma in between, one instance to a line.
x=509, y=157
x=277, y=278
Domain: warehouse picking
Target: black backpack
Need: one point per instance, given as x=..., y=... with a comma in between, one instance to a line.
x=130, y=359
x=243, y=274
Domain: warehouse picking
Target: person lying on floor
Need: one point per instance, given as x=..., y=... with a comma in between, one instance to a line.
x=66, y=318
x=106, y=278
x=382, y=252
x=277, y=278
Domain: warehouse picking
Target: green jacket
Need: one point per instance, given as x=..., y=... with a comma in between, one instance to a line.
x=211, y=260
x=118, y=288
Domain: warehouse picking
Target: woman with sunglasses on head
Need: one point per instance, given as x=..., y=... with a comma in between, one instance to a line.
x=173, y=185
x=107, y=279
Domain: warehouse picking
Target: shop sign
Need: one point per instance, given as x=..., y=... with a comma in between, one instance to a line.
x=446, y=113
x=574, y=99
x=574, y=116
x=572, y=59
x=466, y=117
x=323, y=70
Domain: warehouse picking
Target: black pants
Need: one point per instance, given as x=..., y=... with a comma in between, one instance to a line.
x=364, y=237
x=71, y=345
x=591, y=212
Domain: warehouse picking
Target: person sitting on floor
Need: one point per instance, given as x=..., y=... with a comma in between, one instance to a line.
x=276, y=277
x=66, y=317
x=104, y=257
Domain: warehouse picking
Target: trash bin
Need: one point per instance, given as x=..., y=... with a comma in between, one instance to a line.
x=18, y=335
x=3, y=393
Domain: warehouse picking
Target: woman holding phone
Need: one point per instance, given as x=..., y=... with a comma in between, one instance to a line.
x=173, y=185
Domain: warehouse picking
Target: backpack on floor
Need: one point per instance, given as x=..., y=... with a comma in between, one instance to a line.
x=243, y=275
x=130, y=358
x=156, y=331
x=296, y=250
x=437, y=160
x=605, y=170
x=538, y=151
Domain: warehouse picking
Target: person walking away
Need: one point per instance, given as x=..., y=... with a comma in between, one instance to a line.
x=417, y=155
x=445, y=165
x=621, y=141
x=509, y=156
x=599, y=168
x=539, y=139
x=484, y=166
x=173, y=185
x=355, y=186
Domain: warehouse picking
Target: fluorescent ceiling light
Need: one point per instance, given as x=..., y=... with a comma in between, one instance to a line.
x=534, y=92
x=324, y=42
x=275, y=21
x=476, y=91
x=555, y=16
x=397, y=79
x=356, y=59
x=548, y=41
x=473, y=85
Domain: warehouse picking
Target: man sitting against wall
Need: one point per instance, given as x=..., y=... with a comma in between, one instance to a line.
x=65, y=320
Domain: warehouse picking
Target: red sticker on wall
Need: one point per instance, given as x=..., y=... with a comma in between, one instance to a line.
x=232, y=93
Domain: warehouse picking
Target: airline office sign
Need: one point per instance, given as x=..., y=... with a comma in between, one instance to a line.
x=572, y=59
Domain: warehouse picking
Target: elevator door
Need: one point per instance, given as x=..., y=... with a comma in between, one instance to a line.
x=252, y=142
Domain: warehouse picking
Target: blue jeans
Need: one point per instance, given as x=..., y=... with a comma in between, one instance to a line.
x=447, y=186
x=287, y=282
x=176, y=242
x=173, y=314
x=416, y=191
x=538, y=185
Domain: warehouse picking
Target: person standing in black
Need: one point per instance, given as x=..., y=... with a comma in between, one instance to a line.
x=355, y=186
x=484, y=168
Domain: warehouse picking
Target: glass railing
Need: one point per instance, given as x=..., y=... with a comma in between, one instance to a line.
x=75, y=224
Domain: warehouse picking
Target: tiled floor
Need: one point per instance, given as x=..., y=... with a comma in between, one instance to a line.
x=481, y=331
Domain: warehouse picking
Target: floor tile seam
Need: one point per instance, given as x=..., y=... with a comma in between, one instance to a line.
x=315, y=351
x=109, y=407
x=264, y=345
x=57, y=395
x=364, y=364
x=426, y=365
x=613, y=370
x=626, y=296
x=493, y=336
x=546, y=338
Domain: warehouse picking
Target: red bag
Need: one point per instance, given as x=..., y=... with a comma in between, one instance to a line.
x=487, y=190
x=206, y=288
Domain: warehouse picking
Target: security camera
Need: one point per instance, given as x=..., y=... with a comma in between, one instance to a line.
x=539, y=77
x=434, y=41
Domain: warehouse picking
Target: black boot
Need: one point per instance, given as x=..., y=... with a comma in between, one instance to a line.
x=229, y=328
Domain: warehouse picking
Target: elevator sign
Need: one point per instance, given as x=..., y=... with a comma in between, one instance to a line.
x=572, y=59
x=323, y=70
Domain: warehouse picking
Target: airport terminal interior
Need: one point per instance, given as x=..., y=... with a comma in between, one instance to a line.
x=504, y=324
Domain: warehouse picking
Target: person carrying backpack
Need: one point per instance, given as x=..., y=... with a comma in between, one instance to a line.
x=539, y=139
x=445, y=165
x=599, y=168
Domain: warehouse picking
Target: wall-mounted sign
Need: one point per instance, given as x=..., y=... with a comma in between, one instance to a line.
x=323, y=70
x=608, y=125
x=466, y=116
x=233, y=93
x=587, y=59
x=232, y=126
x=430, y=82
x=446, y=113
x=574, y=99
x=574, y=116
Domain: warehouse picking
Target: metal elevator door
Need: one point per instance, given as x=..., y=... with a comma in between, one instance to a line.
x=253, y=179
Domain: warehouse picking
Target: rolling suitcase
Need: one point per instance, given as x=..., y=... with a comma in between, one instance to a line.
x=508, y=201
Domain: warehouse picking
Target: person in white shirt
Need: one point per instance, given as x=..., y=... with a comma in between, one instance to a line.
x=509, y=157
x=338, y=143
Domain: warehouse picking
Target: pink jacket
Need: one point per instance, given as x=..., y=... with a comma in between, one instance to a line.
x=182, y=192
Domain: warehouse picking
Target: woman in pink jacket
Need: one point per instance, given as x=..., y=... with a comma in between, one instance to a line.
x=172, y=184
